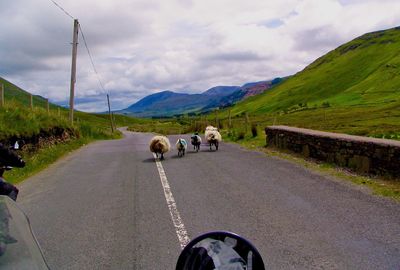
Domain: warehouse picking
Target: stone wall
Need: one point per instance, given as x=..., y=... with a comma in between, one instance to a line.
x=44, y=138
x=362, y=154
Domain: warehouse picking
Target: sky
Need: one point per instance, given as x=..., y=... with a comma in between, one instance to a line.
x=140, y=47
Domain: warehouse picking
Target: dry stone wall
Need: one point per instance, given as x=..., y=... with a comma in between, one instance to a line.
x=362, y=154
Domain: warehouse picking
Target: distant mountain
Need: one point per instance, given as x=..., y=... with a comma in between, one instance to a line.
x=151, y=100
x=247, y=90
x=221, y=90
x=256, y=88
x=168, y=103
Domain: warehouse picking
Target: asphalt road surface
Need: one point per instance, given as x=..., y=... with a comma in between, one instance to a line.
x=104, y=207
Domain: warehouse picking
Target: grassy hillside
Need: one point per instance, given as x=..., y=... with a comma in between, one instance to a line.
x=353, y=89
x=19, y=122
x=13, y=93
x=17, y=119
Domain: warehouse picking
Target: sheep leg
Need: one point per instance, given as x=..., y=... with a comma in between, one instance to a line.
x=216, y=145
x=162, y=156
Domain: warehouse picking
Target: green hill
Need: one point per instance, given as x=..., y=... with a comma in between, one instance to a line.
x=44, y=134
x=18, y=120
x=353, y=89
x=13, y=93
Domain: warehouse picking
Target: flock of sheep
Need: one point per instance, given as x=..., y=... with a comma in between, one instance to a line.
x=160, y=144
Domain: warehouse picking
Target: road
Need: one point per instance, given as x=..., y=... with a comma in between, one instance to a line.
x=104, y=207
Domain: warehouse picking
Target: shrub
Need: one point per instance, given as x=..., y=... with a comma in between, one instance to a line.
x=254, y=130
x=241, y=135
x=326, y=104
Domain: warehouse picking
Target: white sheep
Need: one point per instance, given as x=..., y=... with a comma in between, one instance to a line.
x=159, y=145
x=209, y=129
x=181, y=146
x=196, y=141
x=213, y=137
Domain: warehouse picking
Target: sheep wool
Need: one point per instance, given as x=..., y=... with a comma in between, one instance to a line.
x=210, y=129
x=159, y=145
x=181, y=144
x=213, y=135
x=195, y=139
x=196, y=142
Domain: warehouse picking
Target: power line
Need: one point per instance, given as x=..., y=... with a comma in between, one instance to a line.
x=91, y=59
x=86, y=45
x=60, y=7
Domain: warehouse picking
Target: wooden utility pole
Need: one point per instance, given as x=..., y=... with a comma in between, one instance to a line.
x=113, y=117
x=73, y=70
x=31, y=101
x=1, y=95
x=47, y=106
x=109, y=113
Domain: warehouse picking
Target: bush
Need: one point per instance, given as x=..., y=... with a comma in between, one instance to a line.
x=241, y=135
x=326, y=104
x=254, y=130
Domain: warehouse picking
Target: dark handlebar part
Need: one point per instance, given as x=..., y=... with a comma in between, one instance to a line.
x=10, y=158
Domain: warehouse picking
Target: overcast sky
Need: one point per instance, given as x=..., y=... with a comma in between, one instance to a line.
x=141, y=47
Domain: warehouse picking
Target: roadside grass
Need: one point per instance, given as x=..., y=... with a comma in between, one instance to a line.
x=161, y=126
x=42, y=158
x=17, y=121
x=381, y=121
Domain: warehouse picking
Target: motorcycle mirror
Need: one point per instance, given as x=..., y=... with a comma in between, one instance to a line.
x=220, y=251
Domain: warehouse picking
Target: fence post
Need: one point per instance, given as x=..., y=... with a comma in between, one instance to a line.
x=230, y=119
x=216, y=118
x=31, y=101
x=2, y=95
x=47, y=105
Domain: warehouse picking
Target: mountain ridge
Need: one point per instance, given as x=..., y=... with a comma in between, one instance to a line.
x=168, y=103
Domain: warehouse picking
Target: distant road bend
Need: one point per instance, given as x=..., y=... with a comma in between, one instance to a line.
x=104, y=207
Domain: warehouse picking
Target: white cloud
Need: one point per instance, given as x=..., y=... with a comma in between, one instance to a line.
x=141, y=46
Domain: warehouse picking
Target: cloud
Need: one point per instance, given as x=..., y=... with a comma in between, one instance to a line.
x=144, y=46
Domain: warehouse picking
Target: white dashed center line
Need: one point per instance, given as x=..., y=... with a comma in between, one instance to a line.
x=173, y=209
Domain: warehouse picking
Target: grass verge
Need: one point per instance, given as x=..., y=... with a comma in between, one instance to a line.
x=42, y=159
